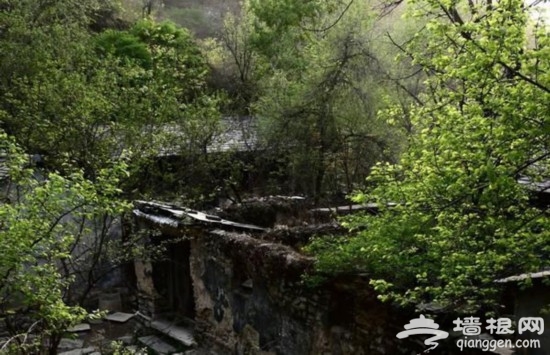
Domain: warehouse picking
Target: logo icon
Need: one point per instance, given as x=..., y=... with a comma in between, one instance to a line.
x=424, y=326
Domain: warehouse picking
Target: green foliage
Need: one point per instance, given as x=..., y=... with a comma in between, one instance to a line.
x=36, y=234
x=461, y=220
x=125, y=45
x=320, y=94
x=81, y=99
x=237, y=66
x=310, y=73
x=281, y=27
x=192, y=18
x=307, y=71
x=176, y=58
x=84, y=102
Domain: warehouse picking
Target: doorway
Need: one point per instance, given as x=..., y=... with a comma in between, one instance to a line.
x=172, y=281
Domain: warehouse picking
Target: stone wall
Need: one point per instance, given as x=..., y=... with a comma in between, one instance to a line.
x=250, y=299
x=250, y=296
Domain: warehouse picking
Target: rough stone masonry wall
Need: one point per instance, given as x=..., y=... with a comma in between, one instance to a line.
x=250, y=299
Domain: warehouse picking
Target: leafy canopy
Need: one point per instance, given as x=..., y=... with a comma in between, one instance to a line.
x=80, y=99
x=308, y=73
x=462, y=220
x=37, y=233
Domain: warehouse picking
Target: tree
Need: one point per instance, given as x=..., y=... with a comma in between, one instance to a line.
x=83, y=102
x=310, y=76
x=52, y=94
x=462, y=220
x=36, y=238
x=235, y=62
x=80, y=99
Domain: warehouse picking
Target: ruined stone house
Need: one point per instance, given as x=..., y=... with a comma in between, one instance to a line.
x=240, y=289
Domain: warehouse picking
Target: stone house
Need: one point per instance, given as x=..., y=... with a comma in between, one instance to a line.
x=239, y=289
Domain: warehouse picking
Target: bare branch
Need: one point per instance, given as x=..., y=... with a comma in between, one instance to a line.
x=332, y=24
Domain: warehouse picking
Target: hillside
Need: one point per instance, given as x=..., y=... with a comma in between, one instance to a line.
x=203, y=18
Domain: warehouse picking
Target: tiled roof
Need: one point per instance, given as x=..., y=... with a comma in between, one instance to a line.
x=533, y=275
x=174, y=216
x=237, y=134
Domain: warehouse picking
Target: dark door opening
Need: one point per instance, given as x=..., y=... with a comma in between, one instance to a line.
x=173, y=283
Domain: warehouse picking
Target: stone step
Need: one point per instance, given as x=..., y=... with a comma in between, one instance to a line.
x=156, y=344
x=119, y=317
x=70, y=344
x=83, y=351
x=181, y=334
x=82, y=327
